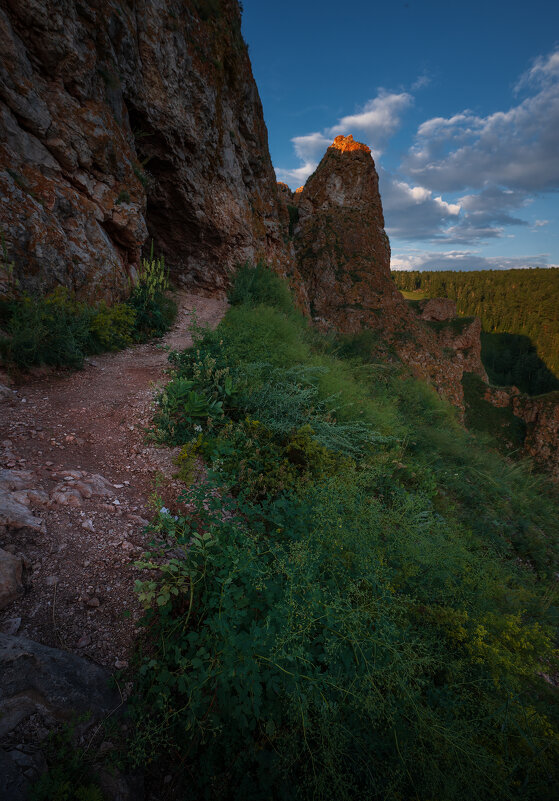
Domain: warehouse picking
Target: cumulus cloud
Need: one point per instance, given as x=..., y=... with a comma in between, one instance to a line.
x=298, y=175
x=375, y=123
x=416, y=213
x=516, y=148
x=464, y=260
x=411, y=212
x=543, y=70
x=309, y=149
x=378, y=119
x=467, y=177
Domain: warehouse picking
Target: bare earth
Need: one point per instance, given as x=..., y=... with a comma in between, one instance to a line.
x=81, y=437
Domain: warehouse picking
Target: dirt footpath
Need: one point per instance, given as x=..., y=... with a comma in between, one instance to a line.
x=73, y=452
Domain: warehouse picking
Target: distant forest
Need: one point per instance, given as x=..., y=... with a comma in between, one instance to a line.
x=519, y=311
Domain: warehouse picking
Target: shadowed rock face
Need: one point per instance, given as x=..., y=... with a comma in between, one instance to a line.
x=343, y=254
x=342, y=249
x=541, y=416
x=123, y=119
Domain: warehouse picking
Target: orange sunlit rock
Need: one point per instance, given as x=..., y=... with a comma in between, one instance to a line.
x=347, y=144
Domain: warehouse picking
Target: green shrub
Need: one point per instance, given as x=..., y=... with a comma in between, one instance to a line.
x=54, y=330
x=59, y=330
x=340, y=644
x=257, y=284
x=70, y=775
x=113, y=326
x=154, y=310
x=344, y=614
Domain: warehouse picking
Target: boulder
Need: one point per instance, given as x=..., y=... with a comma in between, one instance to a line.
x=60, y=686
x=14, y=514
x=6, y=393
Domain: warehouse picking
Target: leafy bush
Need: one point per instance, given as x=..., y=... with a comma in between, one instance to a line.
x=70, y=775
x=60, y=330
x=154, y=310
x=342, y=645
x=54, y=330
x=113, y=326
x=257, y=284
x=344, y=612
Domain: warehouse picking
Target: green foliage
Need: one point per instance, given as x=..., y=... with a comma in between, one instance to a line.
x=59, y=330
x=343, y=613
x=154, y=310
x=123, y=197
x=8, y=280
x=522, y=302
x=54, y=330
x=70, y=775
x=113, y=326
x=257, y=284
x=186, y=459
x=512, y=359
x=141, y=175
x=507, y=430
x=361, y=345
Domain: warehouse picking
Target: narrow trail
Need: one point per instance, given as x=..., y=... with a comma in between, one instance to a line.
x=76, y=443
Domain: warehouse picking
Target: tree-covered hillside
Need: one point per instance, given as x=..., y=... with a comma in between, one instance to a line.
x=524, y=302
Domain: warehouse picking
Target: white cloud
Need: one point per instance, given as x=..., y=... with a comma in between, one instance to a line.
x=311, y=147
x=517, y=148
x=464, y=260
x=493, y=165
x=421, y=82
x=377, y=121
x=297, y=176
x=544, y=69
x=411, y=212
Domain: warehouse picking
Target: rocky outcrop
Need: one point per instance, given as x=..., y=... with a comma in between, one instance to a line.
x=53, y=683
x=343, y=252
x=41, y=689
x=120, y=121
x=438, y=309
x=540, y=414
x=343, y=255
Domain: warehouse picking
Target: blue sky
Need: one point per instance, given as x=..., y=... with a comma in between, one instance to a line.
x=458, y=101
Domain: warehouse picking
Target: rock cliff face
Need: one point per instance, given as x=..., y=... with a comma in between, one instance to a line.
x=541, y=416
x=119, y=120
x=342, y=249
x=343, y=255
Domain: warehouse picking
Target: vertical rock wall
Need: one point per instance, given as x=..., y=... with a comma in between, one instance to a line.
x=343, y=255
x=120, y=120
